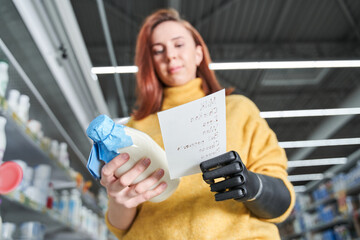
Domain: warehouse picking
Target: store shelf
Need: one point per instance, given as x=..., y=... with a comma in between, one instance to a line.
x=293, y=236
x=316, y=204
x=22, y=145
x=17, y=208
x=347, y=219
x=91, y=203
x=353, y=190
x=336, y=221
x=350, y=191
x=320, y=227
x=33, y=152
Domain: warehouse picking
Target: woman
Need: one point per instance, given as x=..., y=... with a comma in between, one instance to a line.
x=173, y=70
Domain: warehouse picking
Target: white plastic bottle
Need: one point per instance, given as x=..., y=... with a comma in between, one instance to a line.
x=13, y=100
x=2, y=138
x=83, y=218
x=23, y=108
x=54, y=148
x=105, y=132
x=144, y=146
x=64, y=155
x=64, y=204
x=4, y=77
x=74, y=207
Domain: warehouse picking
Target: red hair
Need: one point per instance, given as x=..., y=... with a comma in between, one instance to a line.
x=149, y=87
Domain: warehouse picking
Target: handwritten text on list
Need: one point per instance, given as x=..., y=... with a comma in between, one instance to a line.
x=194, y=132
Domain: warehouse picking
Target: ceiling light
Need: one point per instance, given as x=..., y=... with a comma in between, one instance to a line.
x=310, y=113
x=118, y=69
x=284, y=64
x=305, y=177
x=317, y=162
x=299, y=188
x=320, y=143
x=294, y=77
x=246, y=65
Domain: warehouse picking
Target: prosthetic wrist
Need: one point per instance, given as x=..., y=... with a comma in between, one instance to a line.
x=265, y=196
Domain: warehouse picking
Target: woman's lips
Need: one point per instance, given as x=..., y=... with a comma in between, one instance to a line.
x=174, y=69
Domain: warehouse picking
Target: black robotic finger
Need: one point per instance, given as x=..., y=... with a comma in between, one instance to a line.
x=232, y=194
x=224, y=171
x=218, y=161
x=228, y=183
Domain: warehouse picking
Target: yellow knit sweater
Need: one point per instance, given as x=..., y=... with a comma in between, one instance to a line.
x=191, y=212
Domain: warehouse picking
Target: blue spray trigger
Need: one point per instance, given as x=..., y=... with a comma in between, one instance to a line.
x=107, y=137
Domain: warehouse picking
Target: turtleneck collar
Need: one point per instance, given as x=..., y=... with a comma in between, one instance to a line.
x=175, y=96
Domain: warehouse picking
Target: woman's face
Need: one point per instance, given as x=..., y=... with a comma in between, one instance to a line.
x=174, y=53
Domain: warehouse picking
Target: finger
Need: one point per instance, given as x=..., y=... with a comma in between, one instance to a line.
x=128, y=178
x=232, y=194
x=224, y=171
x=223, y=159
x=117, y=189
x=227, y=184
x=108, y=171
x=146, y=184
x=149, y=194
x=122, y=183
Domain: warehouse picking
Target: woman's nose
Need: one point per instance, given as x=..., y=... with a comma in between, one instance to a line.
x=170, y=53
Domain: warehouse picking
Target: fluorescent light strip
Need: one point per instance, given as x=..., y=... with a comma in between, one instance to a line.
x=317, y=162
x=118, y=69
x=305, y=177
x=246, y=65
x=320, y=143
x=284, y=64
x=299, y=188
x=310, y=113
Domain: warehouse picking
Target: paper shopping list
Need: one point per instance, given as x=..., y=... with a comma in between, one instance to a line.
x=194, y=132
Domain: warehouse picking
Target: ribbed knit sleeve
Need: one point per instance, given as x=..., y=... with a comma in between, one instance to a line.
x=117, y=232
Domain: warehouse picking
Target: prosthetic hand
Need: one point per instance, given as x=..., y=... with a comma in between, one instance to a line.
x=266, y=197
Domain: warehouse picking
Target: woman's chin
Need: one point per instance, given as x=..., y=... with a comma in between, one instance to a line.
x=176, y=81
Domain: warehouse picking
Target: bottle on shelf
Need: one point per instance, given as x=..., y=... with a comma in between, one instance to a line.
x=64, y=204
x=2, y=138
x=64, y=155
x=13, y=100
x=35, y=128
x=23, y=108
x=4, y=77
x=74, y=207
x=54, y=149
x=10, y=172
x=50, y=196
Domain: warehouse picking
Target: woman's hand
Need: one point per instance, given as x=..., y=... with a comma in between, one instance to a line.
x=121, y=190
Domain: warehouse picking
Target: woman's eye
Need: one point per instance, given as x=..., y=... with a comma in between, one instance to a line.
x=158, y=51
x=179, y=45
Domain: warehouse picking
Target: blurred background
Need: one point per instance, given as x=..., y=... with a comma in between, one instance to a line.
x=299, y=61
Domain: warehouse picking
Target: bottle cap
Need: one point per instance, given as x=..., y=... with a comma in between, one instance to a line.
x=11, y=175
x=107, y=137
x=104, y=130
x=4, y=65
